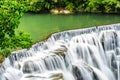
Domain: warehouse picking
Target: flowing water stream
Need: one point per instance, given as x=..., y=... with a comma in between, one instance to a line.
x=82, y=54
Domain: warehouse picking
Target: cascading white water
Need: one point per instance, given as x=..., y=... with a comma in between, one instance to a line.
x=83, y=54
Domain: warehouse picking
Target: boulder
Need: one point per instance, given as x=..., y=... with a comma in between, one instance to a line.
x=54, y=11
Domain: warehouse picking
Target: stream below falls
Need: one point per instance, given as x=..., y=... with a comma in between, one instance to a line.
x=82, y=54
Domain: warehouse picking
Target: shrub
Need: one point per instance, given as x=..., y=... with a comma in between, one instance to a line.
x=21, y=40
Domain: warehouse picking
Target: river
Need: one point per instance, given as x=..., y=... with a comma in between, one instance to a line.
x=41, y=25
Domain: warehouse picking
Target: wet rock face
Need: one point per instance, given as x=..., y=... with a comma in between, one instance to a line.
x=30, y=67
x=77, y=73
x=59, y=48
x=56, y=77
x=109, y=40
x=80, y=71
x=45, y=76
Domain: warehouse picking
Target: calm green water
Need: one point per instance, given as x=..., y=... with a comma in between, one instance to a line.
x=41, y=25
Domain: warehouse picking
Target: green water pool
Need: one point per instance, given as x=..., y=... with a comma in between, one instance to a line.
x=41, y=25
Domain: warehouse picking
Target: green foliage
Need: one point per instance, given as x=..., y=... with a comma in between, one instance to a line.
x=111, y=5
x=36, y=5
x=47, y=5
x=103, y=5
x=39, y=5
x=22, y=40
x=10, y=13
x=93, y=5
x=70, y=6
x=76, y=5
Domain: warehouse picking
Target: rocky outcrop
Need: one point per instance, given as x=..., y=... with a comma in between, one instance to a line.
x=60, y=11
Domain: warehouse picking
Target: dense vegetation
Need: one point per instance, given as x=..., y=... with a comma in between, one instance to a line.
x=105, y=6
x=10, y=13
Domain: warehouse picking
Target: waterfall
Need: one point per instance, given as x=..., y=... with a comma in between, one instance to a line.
x=82, y=54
